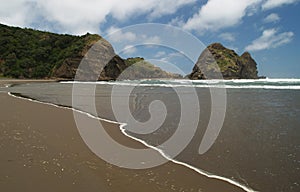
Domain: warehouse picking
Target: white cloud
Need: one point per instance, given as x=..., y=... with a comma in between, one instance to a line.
x=80, y=16
x=270, y=4
x=170, y=56
x=9, y=16
x=227, y=37
x=122, y=36
x=129, y=49
x=151, y=39
x=127, y=41
x=272, y=18
x=177, y=21
x=167, y=7
x=160, y=54
x=117, y=35
x=218, y=14
x=270, y=39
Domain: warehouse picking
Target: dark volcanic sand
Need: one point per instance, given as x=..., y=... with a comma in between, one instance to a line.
x=41, y=150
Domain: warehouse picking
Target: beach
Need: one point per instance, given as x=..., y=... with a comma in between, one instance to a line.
x=256, y=150
x=41, y=150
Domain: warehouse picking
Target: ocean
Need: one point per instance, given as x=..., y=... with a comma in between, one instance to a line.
x=243, y=131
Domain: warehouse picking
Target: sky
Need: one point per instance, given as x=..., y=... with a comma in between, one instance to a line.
x=173, y=33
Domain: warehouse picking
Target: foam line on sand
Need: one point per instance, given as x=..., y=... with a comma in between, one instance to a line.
x=123, y=130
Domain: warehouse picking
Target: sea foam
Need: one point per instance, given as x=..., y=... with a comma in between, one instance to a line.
x=280, y=84
x=123, y=130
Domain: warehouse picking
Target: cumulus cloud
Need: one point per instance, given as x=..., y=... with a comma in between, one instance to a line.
x=270, y=38
x=9, y=15
x=167, y=7
x=128, y=41
x=218, y=14
x=270, y=4
x=177, y=21
x=272, y=18
x=80, y=16
x=160, y=54
x=122, y=36
x=117, y=35
x=129, y=49
x=227, y=37
x=151, y=39
x=171, y=56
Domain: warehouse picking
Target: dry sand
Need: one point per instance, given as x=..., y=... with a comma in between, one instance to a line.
x=41, y=150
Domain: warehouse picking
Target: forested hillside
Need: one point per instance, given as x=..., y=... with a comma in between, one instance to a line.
x=27, y=53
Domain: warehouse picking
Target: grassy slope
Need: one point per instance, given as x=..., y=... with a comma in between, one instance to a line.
x=28, y=53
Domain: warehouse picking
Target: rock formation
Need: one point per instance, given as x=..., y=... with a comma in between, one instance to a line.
x=217, y=62
x=28, y=53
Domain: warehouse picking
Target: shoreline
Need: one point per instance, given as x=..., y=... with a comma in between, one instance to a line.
x=10, y=82
x=39, y=152
x=199, y=172
x=122, y=125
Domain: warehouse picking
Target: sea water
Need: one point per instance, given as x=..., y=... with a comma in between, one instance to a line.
x=258, y=144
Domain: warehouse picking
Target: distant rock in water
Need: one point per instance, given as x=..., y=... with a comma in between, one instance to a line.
x=217, y=62
x=28, y=53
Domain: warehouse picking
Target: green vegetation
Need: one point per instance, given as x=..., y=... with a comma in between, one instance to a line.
x=229, y=63
x=135, y=60
x=28, y=53
x=139, y=64
x=226, y=59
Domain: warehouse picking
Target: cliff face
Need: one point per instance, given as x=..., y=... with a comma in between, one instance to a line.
x=101, y=63
x=218, y=62
x=27, y=53
x=97, y=60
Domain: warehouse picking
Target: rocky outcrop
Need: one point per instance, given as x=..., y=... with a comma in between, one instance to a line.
x=101, y=63
x=93, y=63
x=217, y=62
x=28, y=53
x=249, y=70
x=98, y=61
x=138, y=68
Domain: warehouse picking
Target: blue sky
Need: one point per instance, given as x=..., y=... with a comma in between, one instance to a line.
x=268, y=29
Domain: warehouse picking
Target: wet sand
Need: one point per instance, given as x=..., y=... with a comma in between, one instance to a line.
x=41, y=150
x=5, y=82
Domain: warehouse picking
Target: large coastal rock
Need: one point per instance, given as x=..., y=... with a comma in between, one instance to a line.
x=91, y=63
x=101, y=63
x=217, y=62
x=28, y=53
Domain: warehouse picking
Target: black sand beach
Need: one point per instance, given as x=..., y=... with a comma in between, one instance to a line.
x=41, y=150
